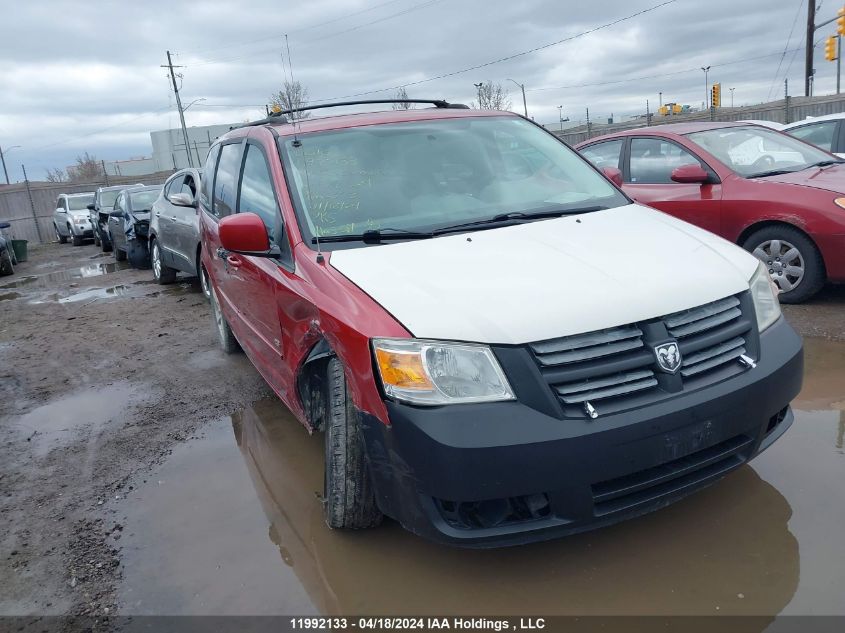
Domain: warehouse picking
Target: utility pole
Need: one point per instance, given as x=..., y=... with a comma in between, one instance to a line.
x=32, y=205
x=560, y=116
x=660, y=94
x=647, y=114
x=588, y=122
x=838, y=62
x=786, y=100
x=524, y=102
x=808, y=52
x=707, y=85
x=478, y=91
x=181, y=111
x=3, y=159
x=105, y=173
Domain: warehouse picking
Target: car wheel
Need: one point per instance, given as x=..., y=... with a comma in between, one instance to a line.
x=105, y=243
x=119, y=255
x=204, y=283
x=793, y=261
x=163, y=274
x=77, y=239
x=228, y=342
x=62, y=239
x=348, y=497
x=6, y=266
x=96, y=238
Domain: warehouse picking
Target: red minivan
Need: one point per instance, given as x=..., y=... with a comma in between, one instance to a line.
x=499, y=345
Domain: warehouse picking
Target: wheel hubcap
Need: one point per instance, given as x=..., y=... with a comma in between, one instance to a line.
x=783, y=261
x=156, y=261
x=204, y=282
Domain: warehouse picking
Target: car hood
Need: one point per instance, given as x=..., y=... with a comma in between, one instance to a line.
x=548, y=278
x=830, y=178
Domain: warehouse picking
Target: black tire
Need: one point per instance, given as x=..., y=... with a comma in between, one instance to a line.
x=814, y=274
x=62, y=238
x=96, y=237
x=228, y=342
x=163, y=274
x=119, y=255
x=348, y=498
x=105, y=243
x=76, y=239
x=205, y=284
x=6, y=266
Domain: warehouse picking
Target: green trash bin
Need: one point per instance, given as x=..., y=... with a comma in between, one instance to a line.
x=19, y=246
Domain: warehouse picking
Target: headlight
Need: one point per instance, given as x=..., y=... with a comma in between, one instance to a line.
x=839, y=202
x=80, y=220
x=434, y=373
x=764, y=292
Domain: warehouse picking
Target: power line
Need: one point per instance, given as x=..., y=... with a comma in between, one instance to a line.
x=508, y=57
x=416, y=7
x=299, y=30
x=658, y=76
x=794, y=22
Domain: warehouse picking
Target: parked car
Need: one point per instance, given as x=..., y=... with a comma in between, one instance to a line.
x=71, y=220
x=8, y=261
x=99, y=211
x=175, y=232
x=499, y=349
x=129, y=224
x=777, y=197
x=826, y=132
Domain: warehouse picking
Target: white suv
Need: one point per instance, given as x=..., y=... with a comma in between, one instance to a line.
x=71, y=219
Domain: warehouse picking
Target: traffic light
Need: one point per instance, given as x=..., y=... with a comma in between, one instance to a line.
x=830, y=48
x=716, y=96
x=840, y=22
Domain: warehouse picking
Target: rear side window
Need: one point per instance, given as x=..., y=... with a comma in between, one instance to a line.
x=604, y=154
x=257, y=195
x=226, y=180
x=819, y=134
x=210, y=162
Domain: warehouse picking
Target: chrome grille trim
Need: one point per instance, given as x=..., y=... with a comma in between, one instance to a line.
x=619, y=387
x=706, y=317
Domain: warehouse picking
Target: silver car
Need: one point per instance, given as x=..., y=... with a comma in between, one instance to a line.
x=174, y=230
x=71, y=218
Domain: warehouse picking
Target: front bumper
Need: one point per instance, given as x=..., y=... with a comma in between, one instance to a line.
x=497, y=474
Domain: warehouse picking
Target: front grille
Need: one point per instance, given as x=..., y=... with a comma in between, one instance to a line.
x=615, y=369
x=677, y=476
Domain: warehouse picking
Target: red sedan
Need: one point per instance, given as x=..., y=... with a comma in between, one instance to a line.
x=776, y=196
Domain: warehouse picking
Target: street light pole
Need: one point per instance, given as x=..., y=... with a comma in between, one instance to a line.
x=732, y=96
x=478, y=92
x=560, y=116
x=524, y=102
x=706, y=87
x=3, y=160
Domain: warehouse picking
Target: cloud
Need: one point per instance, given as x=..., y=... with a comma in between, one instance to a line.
x=77, y=76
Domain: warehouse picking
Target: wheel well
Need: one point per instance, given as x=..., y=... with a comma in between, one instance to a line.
x=199, y=260
x=311, y=384
x=747, y=231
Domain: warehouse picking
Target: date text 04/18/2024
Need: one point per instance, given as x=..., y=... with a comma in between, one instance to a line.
x=409, y=623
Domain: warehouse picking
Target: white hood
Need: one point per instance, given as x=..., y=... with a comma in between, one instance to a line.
x=548, y=278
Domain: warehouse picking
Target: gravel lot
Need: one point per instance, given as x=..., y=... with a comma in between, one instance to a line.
x=109, y=380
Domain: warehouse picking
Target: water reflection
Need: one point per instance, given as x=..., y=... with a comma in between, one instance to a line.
x=83, y=272
x=824, y=384
x=725, y=550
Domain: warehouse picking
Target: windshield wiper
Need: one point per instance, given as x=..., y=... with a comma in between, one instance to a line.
x=826, y=163
x=516, y=217
x=773, y=172
x=374, y=236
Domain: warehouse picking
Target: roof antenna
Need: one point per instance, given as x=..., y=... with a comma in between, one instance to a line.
x=298, y=144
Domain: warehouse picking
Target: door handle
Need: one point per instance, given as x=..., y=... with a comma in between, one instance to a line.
x=158, y=214
x=234, y=261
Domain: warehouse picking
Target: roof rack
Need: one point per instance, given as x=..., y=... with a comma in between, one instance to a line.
x=279, y=117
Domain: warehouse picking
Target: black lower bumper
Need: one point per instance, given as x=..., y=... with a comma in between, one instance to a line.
x=495, y=474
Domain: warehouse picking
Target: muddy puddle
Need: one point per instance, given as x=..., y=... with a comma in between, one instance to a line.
x=56, y=422
x=231, y=523
x=94, y=269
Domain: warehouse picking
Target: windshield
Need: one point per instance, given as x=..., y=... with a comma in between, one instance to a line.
x=78, y=203
x=751, y=151
x=423, y=175
x=107, y=198
x=143, y=200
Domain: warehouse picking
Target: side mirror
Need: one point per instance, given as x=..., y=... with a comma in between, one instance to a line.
x=91, y=207
x=60, y=210
x=116, y=214
x=5, y=225
x=690, y=174
x=613, y=175
x=182, y=199
x=245, y=233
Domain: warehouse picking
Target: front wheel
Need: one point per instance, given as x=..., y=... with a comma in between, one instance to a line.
x=204, y=283
x=6, y=266
x=163, y=274
x=228, y=342
x=77, y=239
x=119, y=255
x=348, y=497
x=793, y=261
x=62, y=238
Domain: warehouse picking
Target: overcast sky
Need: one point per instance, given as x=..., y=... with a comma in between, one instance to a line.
x=81, y=76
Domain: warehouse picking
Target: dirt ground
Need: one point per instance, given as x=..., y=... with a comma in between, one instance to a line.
x=119, y=412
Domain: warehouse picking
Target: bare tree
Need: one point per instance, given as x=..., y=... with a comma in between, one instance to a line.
x=400, y=97
x=492, y=97
x=56, y=175
x=293, y=95
x=87, y=169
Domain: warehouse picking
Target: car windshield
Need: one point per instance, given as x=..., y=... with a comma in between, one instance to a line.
x=423, y=175
x=754, y=151
x=107, y=198
x=78, y=203
x=143, y=200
